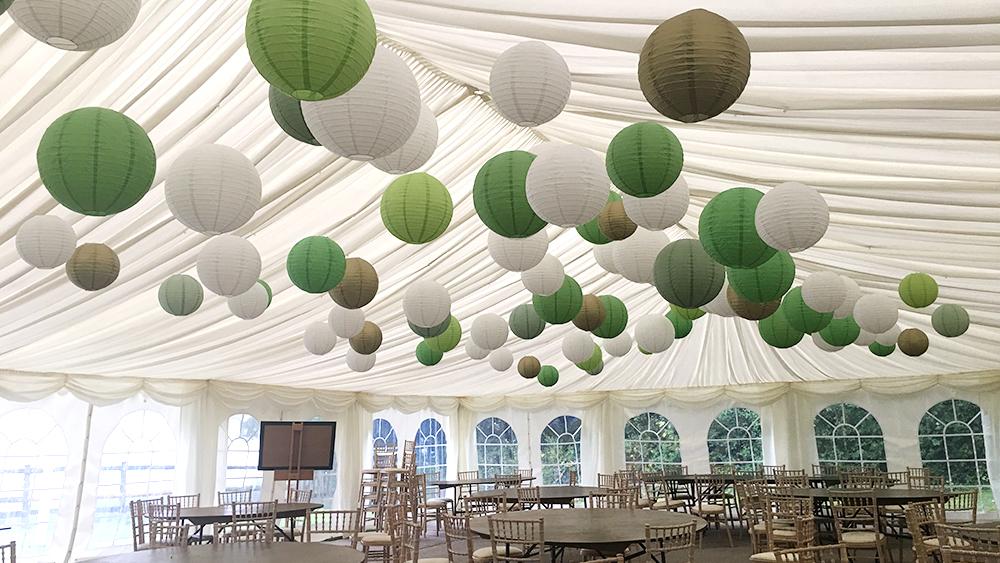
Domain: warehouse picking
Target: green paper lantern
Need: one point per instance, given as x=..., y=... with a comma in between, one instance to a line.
x=560, y=307
x=499, y=198
x=880, y=350
x=801, y=316
x=767, y=282
x=316, y=264
x=426, y=356
x=686, y=276
x=548, y=376
x=950, y=320
x=448, y=339
x=96, y=161
x=525, y=322
x=690, y=314
x=180, y=295
x=778, y=332
x=682, y=325
x=597, y=369
x=918, y=290
x=432, y=331
x=841, y=332
x=311, y=49
x=728, y=232
x=644, y=351
x=4, y=4
x=267, y=288
x=416, y=208
x=591, y=230
x=591, y=363
x=644, y=159
x=287, y=112
x=615, y=317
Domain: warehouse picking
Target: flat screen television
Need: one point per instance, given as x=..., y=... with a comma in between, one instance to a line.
x=277, y=440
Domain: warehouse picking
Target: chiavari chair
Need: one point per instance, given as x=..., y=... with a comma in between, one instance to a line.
x=791, y=478
x=663, y=540
x=166, y=529
x=965, y=544
x=713, y=503
x=466, y=490
x=836, y=553
x=140, y=522
x=962, y=507
x=335, y=525
x=527, y=535
x=459, y=542
x=252, y=522
x=8, y=553
x=858, y=522
x=239, y=495
x=788, y=523
x=186, y=501
x=922, y=519
x=528, y=497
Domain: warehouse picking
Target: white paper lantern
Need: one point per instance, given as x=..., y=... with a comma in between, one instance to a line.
x=851, y=295
x=634, y=256
x=319, y=338
x=45, y=242
x=604, y=254
x=864, y=338
x=417, y=150
x=619, y=345
x=426, y=303
x=75, y=25
x=660, y=211
x=374, y=118
x=823, y=345
x=577, y=346
x=212, y=189
x=889, y=337
x=875, y=313
x=501, y=359
x=360, y=362
x=346, y=322
x=792, y=217
x=824, y=291
x=654, y=333
x=567, y=186
x=542, y=148
x=518, y=254
x=251, y=303
x=720, y=304
x=228, y=265
x=475, y=352
x=546, y=278
x=530, y=83
x=489, y=331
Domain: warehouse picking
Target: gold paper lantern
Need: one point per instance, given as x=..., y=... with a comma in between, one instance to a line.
x=358, y=286
x=750, y=310
x=368, y=340
x=614, y=223
x=93, y=266
x=591, y=314
x=528, y=367
x=912, y=342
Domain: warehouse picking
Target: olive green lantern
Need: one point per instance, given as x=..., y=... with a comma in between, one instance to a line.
x=426, y=356
x=950, y=320
x=778, y=332
x=529, y=367
x=682, y=325
x=728, y=232
x=750, y=310
x=686, y=276
x=368, y=340
x=448, y=339
x=287, y=113
x=767, y=282
x=416, y=208
x=881, y=350
x=801, y=316
x=525, y=323
x=591, y=230
x=841, y=332
x=316, y=264
x=180, y=295
x=498, y=195
x=93, y=266
x=615, y=317
x=614, y=223
x=591, y=315
x=692, y=314
x=644, y=159
x=560, y=307
x=432, y=331
x=918, y=290
x=912, y=342
x=548, y=376
x=358, y=286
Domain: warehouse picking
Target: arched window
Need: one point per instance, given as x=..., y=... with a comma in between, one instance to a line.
x=651, y=442
x=33, y=455
x=241, y=440
x=496, y=447
x=952, y=446
x=848, y=437
x=324, y=483
x=560, y=445
x=430, y=450
x=383, y=434
x=734, y=440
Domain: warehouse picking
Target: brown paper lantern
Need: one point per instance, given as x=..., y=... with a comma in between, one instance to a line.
x=368, y=340
x=912, y=342
x=591, y=314
x=750, y=310
x=358, y=286
x=694, y=66
x=528, y=367
x=93, y=266
x=614, y=223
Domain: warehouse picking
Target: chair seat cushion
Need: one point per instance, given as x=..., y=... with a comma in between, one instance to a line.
x=668, y=503
x=433, y=560
x=861, y=537
x=936, y=543
x=376, y=538
x=437, y=502
x=894, y=508
x=487, y=552
x=645, y=503
x=708, y=509
x=764, y=556
x=760, y=528
x=781, y=533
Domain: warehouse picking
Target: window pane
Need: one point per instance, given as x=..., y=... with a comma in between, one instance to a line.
x=853, y=440
x=651, y=442
x=560, y=449
x=242, y=448
x=734, y=439
x=952, y=445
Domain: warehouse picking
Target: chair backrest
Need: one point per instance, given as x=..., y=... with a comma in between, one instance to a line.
x=675, y=470
x=854, y=511
x=791, y=477
x=457, y=538
x=345, y=522
x=921, y=521
x=166, y=529
x=962, y=506
x=526, y=473
x=484, y=505
x=661, y=540
x=627, y=477
x=615, y=498
x=529, y=496
x=506, y=480
x=408, y=540
x=771, y=470
x=140, y=522
x=468, y=475
x=409, y=455
x=299, y=495
x=824, y=470
x=918, y=471
x=504, y=531
x=238, y=495
x=782, y=513
x=966, y=544
x=8, y=553
x=918, y=481
x=252, y=522
x=864, y=480
x=836, y=553
x=186, y=501
x=711, y=489
x=607, y=480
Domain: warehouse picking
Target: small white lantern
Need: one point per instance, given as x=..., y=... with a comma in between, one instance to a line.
x=518, y=254
x=851, y=295
x=577, y=346
x=319, y=338
x=75, y=25
x=875, y=313
x=475, y=352
x=889, y=337
x=251, y=303
x=792, y=217
x=360, y=362
x=567, y=186
x=501, y=359
x=426, y=303
x=824, y=291
x=45, y=241
x=489, y=331
x=346, y=322
x=660, y=211
x=546, y=278
x=823, y=345
x=212, y=189
x=228, y=265
x=530, y=83
x=604, y=254
x=634, y=257
x=864, y=338
x=417, y=150
x=654, y=333
x=619, y=345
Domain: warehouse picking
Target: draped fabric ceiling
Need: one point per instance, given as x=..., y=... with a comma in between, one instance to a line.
x=890, y=109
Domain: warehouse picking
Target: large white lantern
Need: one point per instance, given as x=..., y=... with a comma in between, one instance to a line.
x=660, y=211
x=889, y=337
x=875, y=313
x=604, y=254
x=360, y=362
x=792, y=217
x=851, y=295
x=475, y=352
x=374, y=118
x=518, y=254
x=823, y=344
x=45, y=241
x=489, y=331
x=577, y=346
x=864, y=338
x=720, y=304
x=426, y=303
x=251, y=303
x=567, y=186
x=530, y=83
x=542, y=148
x=212, y=189
x=75, y=25
x=228, y=265
x=654, y=333
x=619, y=345
x=546, y=278
x=319, y=338
x=501, y=359
x=634, y=257
x=417, y=150
x=346, y=322
x=824, y=291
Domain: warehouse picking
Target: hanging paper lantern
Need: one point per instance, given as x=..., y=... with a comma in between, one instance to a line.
x=96, y=161
x=180, y=295
x=591, y=230
x=528, y=367
x=615, y=318
x=694, y=66
x=875, y=313
x=918, y=290
x=605, y=257
x=501, y=359
x=287, y=113
x=426, y=303
x=75, y=26
x=880, y=350
x=45, y=242
x=682, y=325
x=889, y=337
x=596, y=369
x=432, y=331
x=643, y=351
x=654, y=333
x=614, y=223
x=802, y=317
x=635, y=257
x=546, y=278
x=518, y=254
x=312, y=50
x=727, y=230
x=644, y=159
x=912, y=342
x=358, y=286
x=577, y=346
x=447, y=340
x=316, y=264
x=251, y=303
x=416, y=208
x=4, y=4
x=359, y=362
x=619, y=345
x=686, y=276
x=489, y=331
x=567, y=186
x=548, y=376
x=824, y=345
x=426, y=356
x=319, y=338
x=792, y=217
x=778, y=332
x=228, y=265
x=499, y=197
x=368, y=340
x=525, y=322
x=592, y=313
x=475, y=352
x=212, y=189
x=719, y=305
x=660, y=211
x=346, y=322
x=950, y=320
x=93, y=266
x=372, y=120
x=690, y=314
x=851, y=295
x=840, y=332
x=560, y=307
x=267, y=289
x=824, y=291
x=530, y=83
x=750, y=310
x=765, y=283
x=417, y=150
x=593, y=361
x=864, y=338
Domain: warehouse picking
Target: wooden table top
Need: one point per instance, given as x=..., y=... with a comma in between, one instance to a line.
x=447, y=484
x=592, y=527
x=211, y=514
x=691, y=478
x=277, y=552
x=549, y=493
x=882, y=496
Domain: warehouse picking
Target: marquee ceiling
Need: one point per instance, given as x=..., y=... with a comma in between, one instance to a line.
x=890, y=109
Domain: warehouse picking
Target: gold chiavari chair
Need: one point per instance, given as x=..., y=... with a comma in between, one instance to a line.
x=858, y=522
x=791, y=478
x=966, y=544
x=529, y=497
x=459, y=542
x=527, y=535
x=240, y=495
x=750, y=500
x=8, y=553
x=918, y=471
x=186, y=501
x=466, y=490
x=607, y=480
x=426, y=505
x=663, y=540
x=298, y=496
x=507, y=480
x=409, y=545
x=335, y=525
x=252, y=522
x=788, y=523
x=140, y=522
x=658, y=494
x=836, y=553
x=922, y=519
x=713, y=503
x=612, y=498
x=962, y=507
x=378, y=546
x=166, y=529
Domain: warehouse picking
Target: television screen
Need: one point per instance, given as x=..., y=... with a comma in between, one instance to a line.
x=279, y=445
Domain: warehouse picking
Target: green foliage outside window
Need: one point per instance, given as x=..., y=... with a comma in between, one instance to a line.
x=560, y=448
x=849, y=438
x=496, y=447
x=734, y=441
x=952, y=446
x=651, y=442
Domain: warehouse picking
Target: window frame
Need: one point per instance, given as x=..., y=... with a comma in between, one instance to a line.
x=667, y=437
x=756, y=462
x=252, y=477
x=431, y=441
x=979, y=460
x=505, y=441
x=843, y=463
x=574, y=441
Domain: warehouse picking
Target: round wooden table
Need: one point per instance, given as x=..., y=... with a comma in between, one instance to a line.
x=882, y=496
x=278, y=552
x=202, y=516
x=552, y=494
